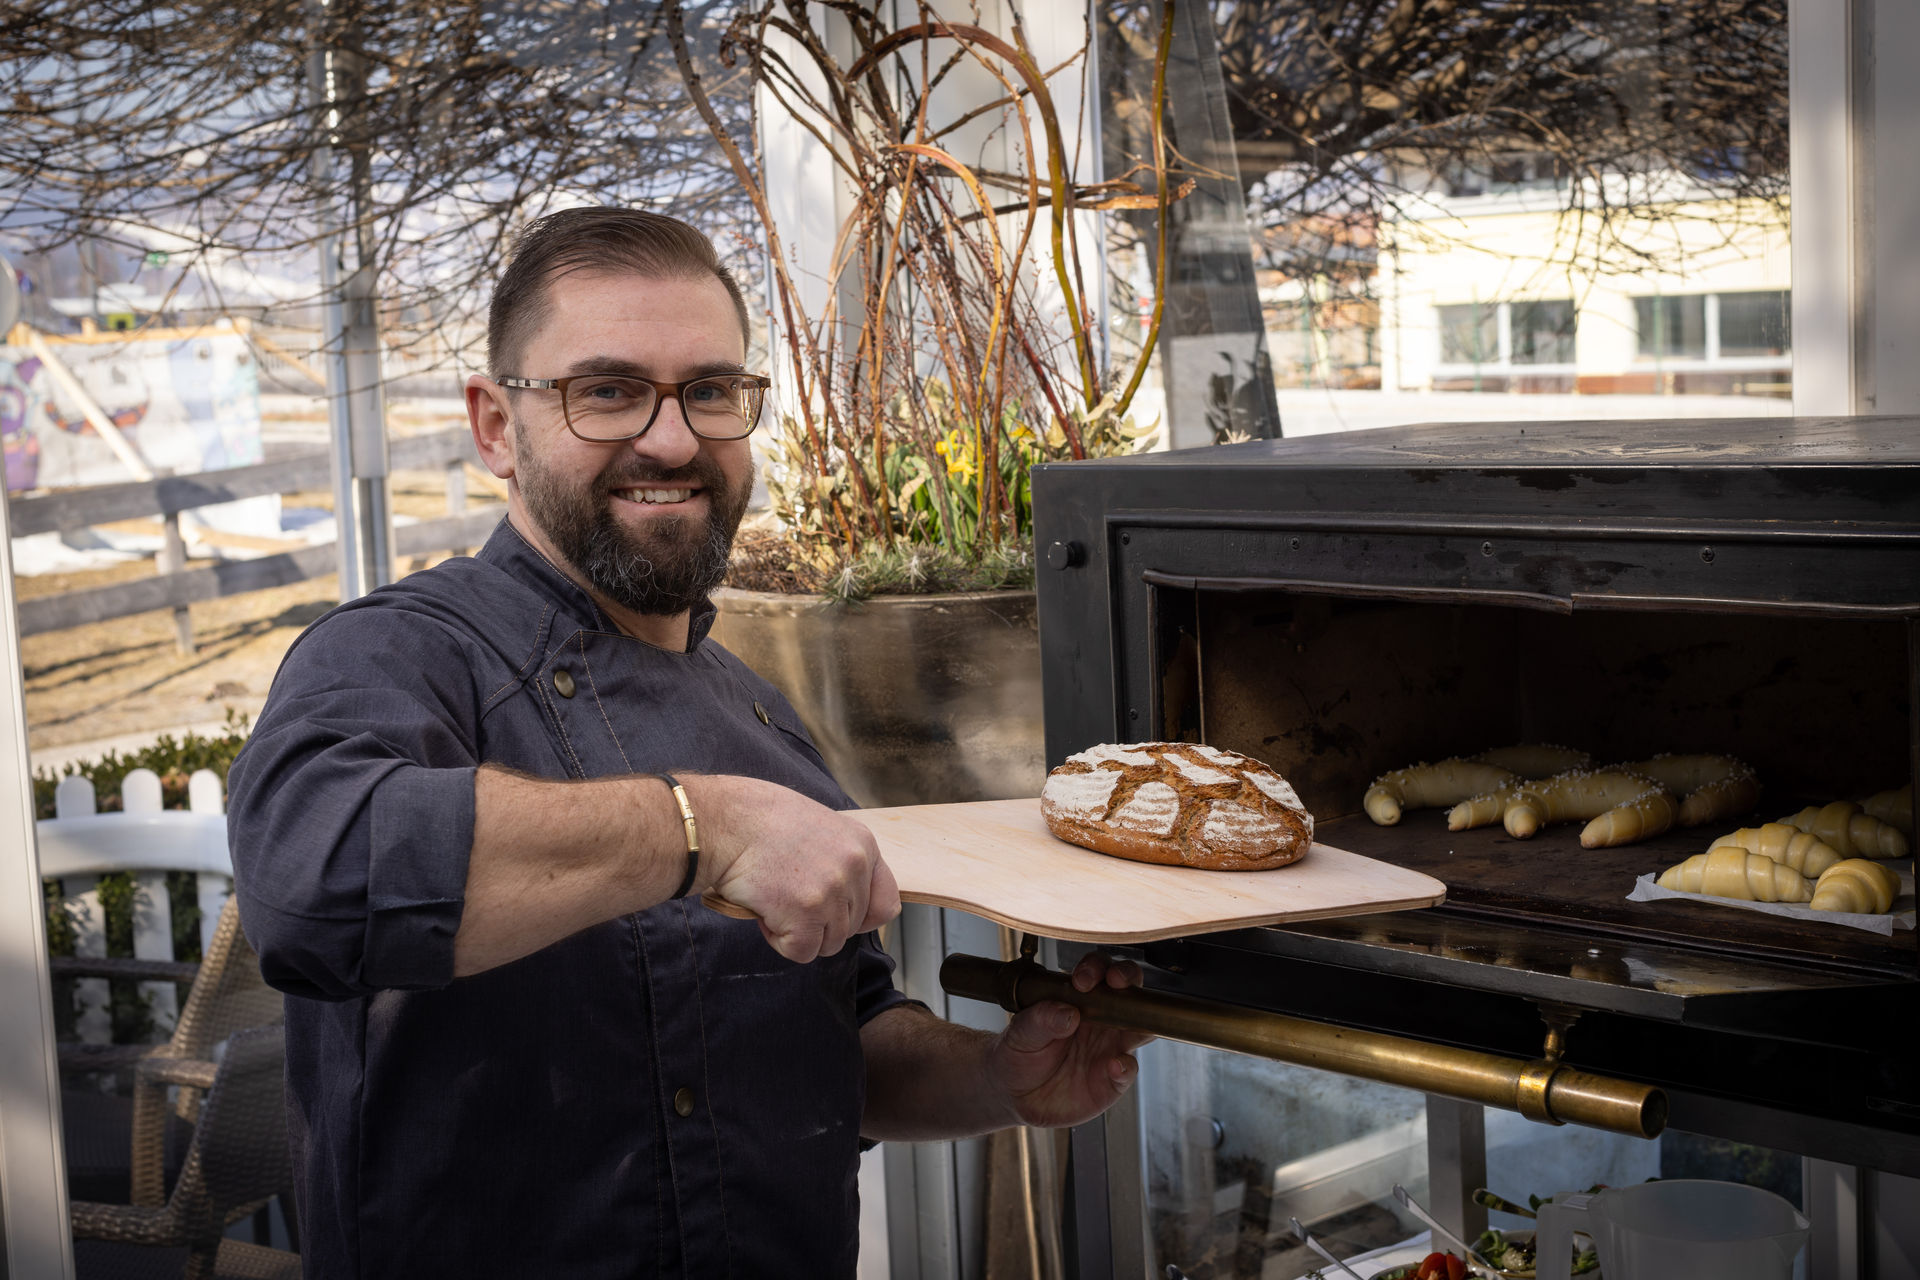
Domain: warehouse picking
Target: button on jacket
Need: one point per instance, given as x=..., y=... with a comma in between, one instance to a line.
x=659, y=1095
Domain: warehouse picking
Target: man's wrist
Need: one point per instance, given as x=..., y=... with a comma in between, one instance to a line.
x=689, y=831
x=1001, y=1097
x=712, y=803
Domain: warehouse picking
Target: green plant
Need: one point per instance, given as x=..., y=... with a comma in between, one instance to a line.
x=911, y=569
x=175, y=762
x=943, y=495
x=60, y=930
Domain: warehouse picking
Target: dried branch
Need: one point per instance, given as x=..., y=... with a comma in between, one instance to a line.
x=191, y=127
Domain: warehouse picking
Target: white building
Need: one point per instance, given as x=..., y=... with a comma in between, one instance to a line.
x=1507, y=289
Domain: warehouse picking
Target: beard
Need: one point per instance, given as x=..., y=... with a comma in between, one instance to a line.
x=666, y=569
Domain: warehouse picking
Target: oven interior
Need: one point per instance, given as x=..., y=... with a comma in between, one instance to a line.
x=1332, y=692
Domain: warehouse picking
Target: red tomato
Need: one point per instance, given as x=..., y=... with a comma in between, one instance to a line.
x=1456, y=1268
x=1434, y=1264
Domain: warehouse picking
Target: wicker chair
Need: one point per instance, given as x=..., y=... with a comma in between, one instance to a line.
x=228, y=994
x=103, y=1132
x=237, y=1163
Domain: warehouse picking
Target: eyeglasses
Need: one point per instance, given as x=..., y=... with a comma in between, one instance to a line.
x=604, y=408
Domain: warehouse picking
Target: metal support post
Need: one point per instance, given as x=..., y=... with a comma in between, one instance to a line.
x=457, y=495
x=1456, y=1163
x=1127, y=1218
x=1832, y=1198
x=356, y=404
x=173, y=559
x=1092, y=1220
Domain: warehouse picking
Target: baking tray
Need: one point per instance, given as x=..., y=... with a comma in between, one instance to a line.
x=1550, y=880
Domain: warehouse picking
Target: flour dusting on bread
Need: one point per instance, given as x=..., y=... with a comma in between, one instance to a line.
x=1197, y=772
x=1280, y=789
x=1154, y=808
x=1085, y=797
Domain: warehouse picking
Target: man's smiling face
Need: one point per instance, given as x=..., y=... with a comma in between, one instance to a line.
x=645, y=523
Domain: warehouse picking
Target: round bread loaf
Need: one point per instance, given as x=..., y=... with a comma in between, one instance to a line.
x=1177, y=803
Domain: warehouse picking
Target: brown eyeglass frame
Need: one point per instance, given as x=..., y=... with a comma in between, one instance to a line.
x=662, y=392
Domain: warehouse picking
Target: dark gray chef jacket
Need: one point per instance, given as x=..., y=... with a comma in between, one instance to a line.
x=659, y=1095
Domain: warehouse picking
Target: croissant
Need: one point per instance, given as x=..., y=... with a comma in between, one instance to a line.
x=1424, y=786
x=1787, y=845
x=1856, y=885
x=1892, y=807
x=1851, y=832
x=1710, y=787
x=1733, y=872
x=1578, y=794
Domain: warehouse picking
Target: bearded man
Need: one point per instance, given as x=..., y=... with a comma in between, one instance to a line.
x=473, y=823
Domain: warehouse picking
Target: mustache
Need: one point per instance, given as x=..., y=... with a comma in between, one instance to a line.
x=629, y=470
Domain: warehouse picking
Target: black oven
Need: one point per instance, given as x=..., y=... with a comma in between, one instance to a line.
x=1343, y=605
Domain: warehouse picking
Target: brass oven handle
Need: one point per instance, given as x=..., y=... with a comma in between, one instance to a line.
x=1542, y=1090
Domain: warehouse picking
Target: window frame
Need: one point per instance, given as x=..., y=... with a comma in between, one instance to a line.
x=37, y=1240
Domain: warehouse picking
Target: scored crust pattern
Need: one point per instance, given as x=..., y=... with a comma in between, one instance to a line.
x=1178, y=803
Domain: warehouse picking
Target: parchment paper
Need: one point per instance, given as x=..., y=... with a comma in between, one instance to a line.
x=1645, y=890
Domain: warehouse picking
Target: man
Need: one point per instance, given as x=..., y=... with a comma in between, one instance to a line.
x=517, y=1044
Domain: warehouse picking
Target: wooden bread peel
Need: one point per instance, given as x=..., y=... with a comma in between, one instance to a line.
x=996, y=858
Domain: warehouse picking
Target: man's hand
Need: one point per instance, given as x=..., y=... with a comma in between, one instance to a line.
x=1057, y=1070
x=814, y=876
x=930, y=1081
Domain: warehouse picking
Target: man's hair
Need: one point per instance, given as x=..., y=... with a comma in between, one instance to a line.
x=600, y=241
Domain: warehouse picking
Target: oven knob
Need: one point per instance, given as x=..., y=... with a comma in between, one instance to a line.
x=1066, y=555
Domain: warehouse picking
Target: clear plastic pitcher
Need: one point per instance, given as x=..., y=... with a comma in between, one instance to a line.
x=1680, y=1230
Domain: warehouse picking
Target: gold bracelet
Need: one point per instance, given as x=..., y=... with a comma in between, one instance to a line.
x=693, y=833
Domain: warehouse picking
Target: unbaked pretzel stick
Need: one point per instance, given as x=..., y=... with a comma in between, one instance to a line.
x=1426, y=786
x=1583, y=795
x=1711, y=788
x=1453, y=781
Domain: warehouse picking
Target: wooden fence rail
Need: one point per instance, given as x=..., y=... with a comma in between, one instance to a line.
x=169, y=495
x=236, y=577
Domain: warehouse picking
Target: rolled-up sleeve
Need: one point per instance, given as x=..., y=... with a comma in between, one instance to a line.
x=351, y=808
x=874, y=992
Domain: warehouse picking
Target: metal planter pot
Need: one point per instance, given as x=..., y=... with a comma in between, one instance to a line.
x=912, y=699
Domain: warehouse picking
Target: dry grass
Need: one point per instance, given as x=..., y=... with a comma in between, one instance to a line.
x=128, y=675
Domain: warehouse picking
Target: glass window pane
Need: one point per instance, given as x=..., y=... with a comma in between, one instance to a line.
x=1672, y=327
x=1469, y=334
x=1235, y=1146
x=1756, y=324
x=1462, y=231
x=1543, y=332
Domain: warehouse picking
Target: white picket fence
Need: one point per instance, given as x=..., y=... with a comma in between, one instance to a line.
x=79, y=845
